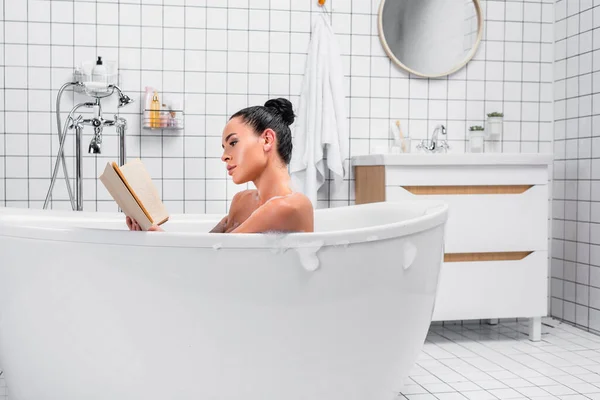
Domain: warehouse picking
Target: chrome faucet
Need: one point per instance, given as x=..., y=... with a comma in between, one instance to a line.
x=436, y=145
x=98, y=122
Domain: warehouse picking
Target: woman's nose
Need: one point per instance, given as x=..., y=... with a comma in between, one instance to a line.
x=225, y=157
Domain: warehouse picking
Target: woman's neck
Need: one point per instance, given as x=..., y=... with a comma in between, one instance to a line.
x=274, y=181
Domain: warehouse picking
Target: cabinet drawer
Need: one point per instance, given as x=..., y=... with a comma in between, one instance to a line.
x=487, y=222
x=493, y=289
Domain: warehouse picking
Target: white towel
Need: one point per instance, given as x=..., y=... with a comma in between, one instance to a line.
x=321, y=121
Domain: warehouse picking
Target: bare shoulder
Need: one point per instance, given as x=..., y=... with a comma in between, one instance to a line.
x=293, y=213
x=300, y=202
x=241, y=198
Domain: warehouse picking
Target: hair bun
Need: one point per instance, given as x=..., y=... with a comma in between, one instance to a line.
x=283, y=107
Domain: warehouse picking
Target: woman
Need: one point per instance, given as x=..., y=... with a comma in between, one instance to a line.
x=257, y=147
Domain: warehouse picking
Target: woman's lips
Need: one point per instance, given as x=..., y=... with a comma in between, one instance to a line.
x=230, y=169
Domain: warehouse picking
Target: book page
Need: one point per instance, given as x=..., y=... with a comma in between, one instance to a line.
x=119, y=192
x=140, y=182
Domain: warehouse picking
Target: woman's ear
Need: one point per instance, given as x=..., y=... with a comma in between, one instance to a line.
x=269, y=139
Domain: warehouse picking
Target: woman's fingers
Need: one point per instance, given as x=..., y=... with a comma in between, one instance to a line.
x=133, y=225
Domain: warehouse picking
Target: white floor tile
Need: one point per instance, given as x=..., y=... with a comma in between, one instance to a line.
x=479, y=361
x=532, y=391
x=583, y=388
x=465, y=386
x=413, y=389
x=450, y=396
x=421, y=397
x=505, y=393
x=479, y=395
x=437, y=387
x=558, y=390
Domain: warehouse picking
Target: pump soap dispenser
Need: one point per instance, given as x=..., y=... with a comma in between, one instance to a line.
x=99, y=72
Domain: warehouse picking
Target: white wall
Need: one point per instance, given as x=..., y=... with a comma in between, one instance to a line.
x=217, y=56
x=575, y=270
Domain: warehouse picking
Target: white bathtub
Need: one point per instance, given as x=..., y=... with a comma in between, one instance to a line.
x=89, y=310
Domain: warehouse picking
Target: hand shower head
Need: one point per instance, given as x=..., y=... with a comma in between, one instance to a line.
x=123, y=98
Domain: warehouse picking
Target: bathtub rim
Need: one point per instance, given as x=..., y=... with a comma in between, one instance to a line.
x=435, y=213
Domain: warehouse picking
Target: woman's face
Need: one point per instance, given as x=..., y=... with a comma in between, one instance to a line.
x=243, y=151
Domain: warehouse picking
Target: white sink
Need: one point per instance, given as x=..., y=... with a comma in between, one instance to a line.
x=454, y=159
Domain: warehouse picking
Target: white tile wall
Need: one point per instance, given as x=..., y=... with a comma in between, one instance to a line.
x=575, y=287
x=217, y=56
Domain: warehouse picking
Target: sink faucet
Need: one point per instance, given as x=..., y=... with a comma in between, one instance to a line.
x=435, y=146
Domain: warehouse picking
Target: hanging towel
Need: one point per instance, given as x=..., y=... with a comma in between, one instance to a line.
x=322, y=122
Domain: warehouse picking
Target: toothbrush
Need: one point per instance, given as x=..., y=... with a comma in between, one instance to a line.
x=402, y=143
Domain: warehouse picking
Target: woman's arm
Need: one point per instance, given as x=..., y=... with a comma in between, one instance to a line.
x=221, y=226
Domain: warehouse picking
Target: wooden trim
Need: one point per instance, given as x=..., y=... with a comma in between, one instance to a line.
x=480, y=189
x=369, y=183
x=498, y=256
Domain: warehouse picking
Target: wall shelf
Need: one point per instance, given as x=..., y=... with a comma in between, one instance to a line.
x=163, y=119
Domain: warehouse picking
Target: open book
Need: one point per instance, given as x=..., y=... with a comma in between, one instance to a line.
x=133, y=190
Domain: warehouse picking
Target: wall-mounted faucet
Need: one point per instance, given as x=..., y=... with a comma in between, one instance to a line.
x=436, y=145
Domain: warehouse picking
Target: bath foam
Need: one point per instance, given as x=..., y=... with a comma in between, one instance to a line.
x=308, y=255
x=278, y=239
x=307, y=252
x=409, y=254
x=343, y=243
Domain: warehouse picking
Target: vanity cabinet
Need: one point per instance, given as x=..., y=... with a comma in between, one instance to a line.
x=496, y=240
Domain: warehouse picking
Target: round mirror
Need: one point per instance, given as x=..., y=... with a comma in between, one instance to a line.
x=430, y=38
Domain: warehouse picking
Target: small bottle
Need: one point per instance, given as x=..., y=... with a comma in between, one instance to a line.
x=155, y=112
x=164, y=116
x=149, y=93
x=99, y=72
x=78, y=74
x=176, y=121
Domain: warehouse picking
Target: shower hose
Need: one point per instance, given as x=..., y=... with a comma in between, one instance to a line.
x=62, y=134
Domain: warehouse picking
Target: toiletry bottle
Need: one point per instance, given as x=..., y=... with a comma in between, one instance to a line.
x=164, y=116
x=176, y=120
x=149, y=93
x=78, y=74
x=99, y=72
x=155, y=111
x=172, y=118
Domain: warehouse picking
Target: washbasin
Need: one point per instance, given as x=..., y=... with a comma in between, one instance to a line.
x=453, y=159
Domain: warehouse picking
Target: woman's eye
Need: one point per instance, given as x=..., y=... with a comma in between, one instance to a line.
x=232, y=143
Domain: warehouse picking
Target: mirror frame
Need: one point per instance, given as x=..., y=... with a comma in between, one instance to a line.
x=468, y=58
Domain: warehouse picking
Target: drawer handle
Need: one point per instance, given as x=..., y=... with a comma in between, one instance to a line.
x=476, y=189
x=498, y=256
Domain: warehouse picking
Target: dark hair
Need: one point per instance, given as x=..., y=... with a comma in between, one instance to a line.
x=276, y=114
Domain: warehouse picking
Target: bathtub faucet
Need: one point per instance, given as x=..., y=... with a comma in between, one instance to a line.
x=435, y=146
x=97, y=122
x=95, y=147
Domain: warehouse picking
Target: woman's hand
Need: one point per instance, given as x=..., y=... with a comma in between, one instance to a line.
x=134, y=226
